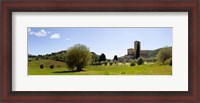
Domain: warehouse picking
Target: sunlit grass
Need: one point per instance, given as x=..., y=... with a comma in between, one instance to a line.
x=61, y=69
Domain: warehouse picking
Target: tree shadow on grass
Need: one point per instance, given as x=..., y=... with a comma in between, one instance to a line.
x=68, y=71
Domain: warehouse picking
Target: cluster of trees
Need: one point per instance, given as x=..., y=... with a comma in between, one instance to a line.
x=164, y=56
x=58, y=56
x=101, y=59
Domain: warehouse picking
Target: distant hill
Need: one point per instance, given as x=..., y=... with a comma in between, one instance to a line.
x=59, y=56
x=153, y=53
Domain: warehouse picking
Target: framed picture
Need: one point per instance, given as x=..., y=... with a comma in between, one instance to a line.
x=100, y=51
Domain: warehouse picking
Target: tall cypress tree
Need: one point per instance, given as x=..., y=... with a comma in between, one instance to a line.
x=102, y=57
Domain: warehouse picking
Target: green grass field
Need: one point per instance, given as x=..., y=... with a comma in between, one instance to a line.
x=120, y=69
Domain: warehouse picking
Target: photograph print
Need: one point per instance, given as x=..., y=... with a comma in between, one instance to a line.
x=99, y=51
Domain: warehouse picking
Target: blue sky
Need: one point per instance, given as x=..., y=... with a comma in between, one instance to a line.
x=110, y=41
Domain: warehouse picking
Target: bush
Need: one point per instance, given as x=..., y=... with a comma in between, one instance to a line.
x=106, y=63
x=168, y=62
x=51, y=66
x=116, y=63
x=97, y=63
x=41, y=66
x=29, y=60
x=132, y=63
x=140, y=61
x=159, y=63
x=149, y=60
x=111, y=63
x=123, y=73
x=103, y=62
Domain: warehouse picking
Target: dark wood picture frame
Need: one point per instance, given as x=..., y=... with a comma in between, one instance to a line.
x=9, y=6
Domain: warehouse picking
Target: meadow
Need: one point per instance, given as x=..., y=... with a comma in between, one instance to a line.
x=60, y=68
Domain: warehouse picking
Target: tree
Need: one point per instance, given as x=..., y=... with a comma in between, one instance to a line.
x=115, y=58
x=102, y=57
x=140, y=61
x=41, y=66
x=164, y=54
x=95, y=57
x=168, y=62
x=133, y=63
x=78, y=56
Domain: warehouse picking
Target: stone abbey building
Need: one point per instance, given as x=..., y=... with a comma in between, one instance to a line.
x=135, y=53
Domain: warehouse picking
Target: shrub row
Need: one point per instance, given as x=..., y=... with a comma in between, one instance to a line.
x=42, y=66
x=103, y=63
x=140, y=61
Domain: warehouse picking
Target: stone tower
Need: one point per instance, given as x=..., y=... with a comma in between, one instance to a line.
x=137, y=49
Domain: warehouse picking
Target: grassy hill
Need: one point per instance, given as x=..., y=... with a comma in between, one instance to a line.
x=47, y=63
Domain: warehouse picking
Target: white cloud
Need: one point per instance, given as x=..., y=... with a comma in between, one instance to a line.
x=41, y=33
x=67, y=39
x=55, y=36
x=29, y=29
x=31, y=33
